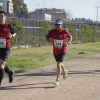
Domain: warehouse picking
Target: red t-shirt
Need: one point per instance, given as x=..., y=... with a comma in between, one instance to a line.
x=59, y=39
x=4, y=36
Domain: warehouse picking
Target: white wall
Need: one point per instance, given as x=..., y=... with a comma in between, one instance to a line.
x=40, y=16
x=47, y=17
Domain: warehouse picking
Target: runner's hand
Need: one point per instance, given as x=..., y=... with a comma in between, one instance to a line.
x=66, y=44
x=10, y=35
x=51, y=40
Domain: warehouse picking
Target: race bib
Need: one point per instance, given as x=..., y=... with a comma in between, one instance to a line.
x=58, y=43
x=2, y=43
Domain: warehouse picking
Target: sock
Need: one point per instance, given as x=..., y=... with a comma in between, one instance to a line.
x=7, y=70
x=1, y=75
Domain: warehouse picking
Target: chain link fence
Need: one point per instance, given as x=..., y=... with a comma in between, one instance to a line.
x=34, y=34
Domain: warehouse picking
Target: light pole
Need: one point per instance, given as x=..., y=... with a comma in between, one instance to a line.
x=38, y=21
x=97, y=11
x=38, y=10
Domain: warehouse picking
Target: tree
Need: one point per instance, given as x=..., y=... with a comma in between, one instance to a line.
x=70, y=14
x=45, y=27
x=20, y=30
x=72, y=29
x=89, y=33
x=20, y=7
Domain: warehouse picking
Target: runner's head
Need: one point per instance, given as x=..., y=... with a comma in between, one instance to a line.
x=2, y=17
x=58, y=24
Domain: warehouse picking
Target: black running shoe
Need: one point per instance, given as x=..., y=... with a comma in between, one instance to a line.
x=11, y=75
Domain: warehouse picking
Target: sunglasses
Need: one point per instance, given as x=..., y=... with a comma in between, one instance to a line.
x=57, y=24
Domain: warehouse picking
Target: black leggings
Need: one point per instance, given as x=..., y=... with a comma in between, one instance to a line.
x=1, y=75
x=59, y=57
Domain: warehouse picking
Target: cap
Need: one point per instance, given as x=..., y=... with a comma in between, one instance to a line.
x=58, y=21
x=1, y=11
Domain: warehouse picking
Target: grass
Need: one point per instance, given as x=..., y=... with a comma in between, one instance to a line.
x=21, y=60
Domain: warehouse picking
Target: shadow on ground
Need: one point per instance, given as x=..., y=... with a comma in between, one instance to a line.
x=31, y=86
x=54, y=73
x=28, y=86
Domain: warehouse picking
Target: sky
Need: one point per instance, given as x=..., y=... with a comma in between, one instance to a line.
x=77, y=8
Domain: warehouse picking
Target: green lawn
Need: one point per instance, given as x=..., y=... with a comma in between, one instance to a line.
x=21, y=60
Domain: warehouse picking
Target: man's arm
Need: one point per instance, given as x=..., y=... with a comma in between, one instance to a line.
x=49, y=39
x=12, y=35
x=69, y=40
x=12, y=31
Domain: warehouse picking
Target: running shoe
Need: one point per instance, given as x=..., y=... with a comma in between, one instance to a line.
x=65, y=74
x=56, y=83
x=11, y=75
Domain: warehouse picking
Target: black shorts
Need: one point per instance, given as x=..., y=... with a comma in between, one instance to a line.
x=59, y=57
x=4, y=52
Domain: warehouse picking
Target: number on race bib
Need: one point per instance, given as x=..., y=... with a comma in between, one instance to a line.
x=2, y=43
x=58, y=43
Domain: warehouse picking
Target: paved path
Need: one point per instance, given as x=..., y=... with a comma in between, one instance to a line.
x=83, y=82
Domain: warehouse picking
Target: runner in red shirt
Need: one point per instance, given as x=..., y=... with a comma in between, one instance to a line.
x=6, y=32
x=60, y=39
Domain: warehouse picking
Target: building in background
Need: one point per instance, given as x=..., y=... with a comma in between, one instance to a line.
x=1, y=6
x=49, y=14
x=39, y=15
x=56, y=13
x=7, y=6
